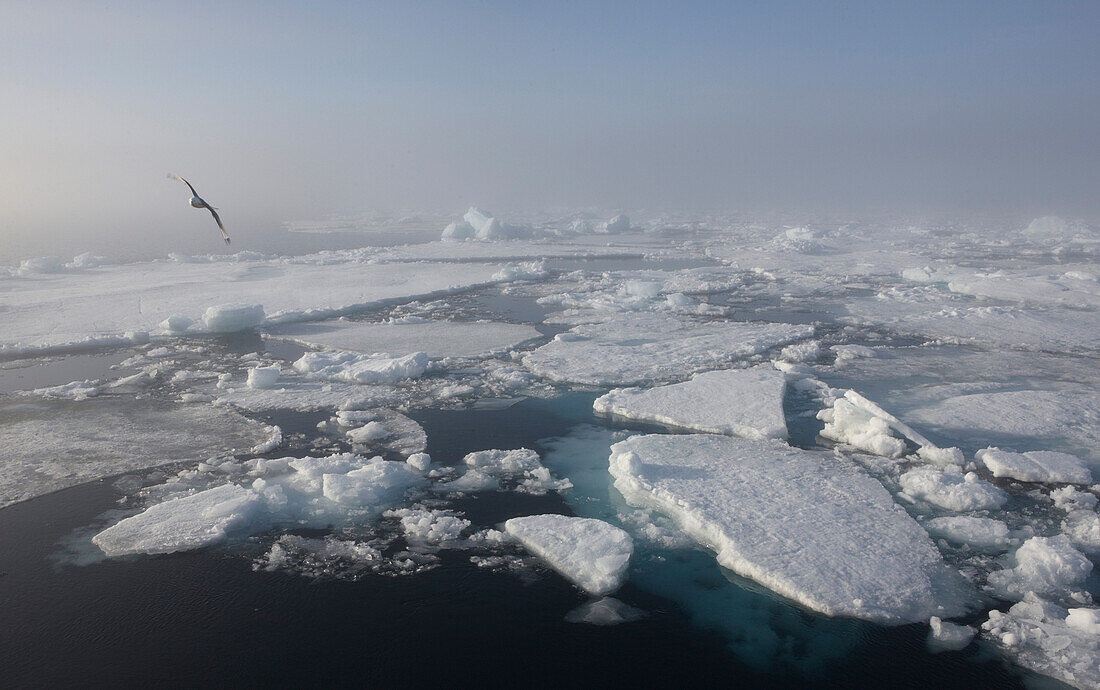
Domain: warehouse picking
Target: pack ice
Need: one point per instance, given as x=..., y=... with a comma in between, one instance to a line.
x=63, y=310
x=645, y=347
x=437, y=339
x=109, y=436
x=807, y=525
x=590, y=553
x=736, y=402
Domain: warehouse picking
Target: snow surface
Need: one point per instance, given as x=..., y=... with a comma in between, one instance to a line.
x=847, y=550
x=437, y=338
x=738, y=402
x=591, y=554
x=633, y=348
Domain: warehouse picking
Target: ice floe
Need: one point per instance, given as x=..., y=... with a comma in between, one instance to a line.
x=355, y=368
x=1045, y=466
x=200, y=507
x=848, y=550
x=1043, y=565
x=437, y=339
x=738, y=402
x=983, y=534
x=633, y=348
x=951, y=489
x=108, y=436
x=591, y=554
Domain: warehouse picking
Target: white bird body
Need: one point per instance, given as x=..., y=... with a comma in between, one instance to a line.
x=197, y=202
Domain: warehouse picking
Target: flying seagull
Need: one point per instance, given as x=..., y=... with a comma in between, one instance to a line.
x=197, y=202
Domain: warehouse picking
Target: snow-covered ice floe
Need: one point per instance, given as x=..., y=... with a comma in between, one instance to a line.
x=1035, y=466
x=737, y=402
x=49, y=446
x=485, y=469
x=68, y=310
x=437, y=339
x=590, y=553
x=952, y=490
x=1049, y=639
x=350, y=367
x=807, y=525
x=983, y=534
x=634, y=348
x=1043, y=565
x=308, y=491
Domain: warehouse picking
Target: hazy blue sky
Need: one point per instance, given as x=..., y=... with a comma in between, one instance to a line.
x=291, y=110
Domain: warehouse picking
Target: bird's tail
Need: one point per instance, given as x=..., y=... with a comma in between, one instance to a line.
x=227, y=240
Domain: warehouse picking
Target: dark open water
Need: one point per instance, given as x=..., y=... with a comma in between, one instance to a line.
x=204, y=618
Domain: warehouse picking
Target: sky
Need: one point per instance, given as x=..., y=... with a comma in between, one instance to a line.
x=280, y=111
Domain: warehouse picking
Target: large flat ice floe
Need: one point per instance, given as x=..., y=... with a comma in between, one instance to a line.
x=807, y=525
x=591, y=554
x=66, y=309
x=46, y=446
x=644, y=347
x=438, y=339
x=736, y=402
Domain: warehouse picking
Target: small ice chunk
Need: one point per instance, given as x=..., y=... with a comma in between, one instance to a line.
x=737, y=402
x=945, y=636
x=356, y=368
x=1083, y=529
x=1085, y=620
x=368, y=433
x=647, y=289
x=176, y=324
x=1068, y=498
x=942, y=457
x=1035, y=466
x=376, y=485
x=41, y=264
x=181, y=524
x=459, y=231
x=620, y=223
x=605, y=611
x=233, y=317
x=497, y=462
x=1038, y=635
x=808, y=351
x=951, y=489
x=849, y=424
x=263, y=377
x=75, y=390
x=421, y=461
x=984, y=534
x=590, y=553
x=429, y=526
x=1044, y=565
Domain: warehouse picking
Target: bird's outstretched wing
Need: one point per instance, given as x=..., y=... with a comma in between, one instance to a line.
x=219, y=222
x=177, y=177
